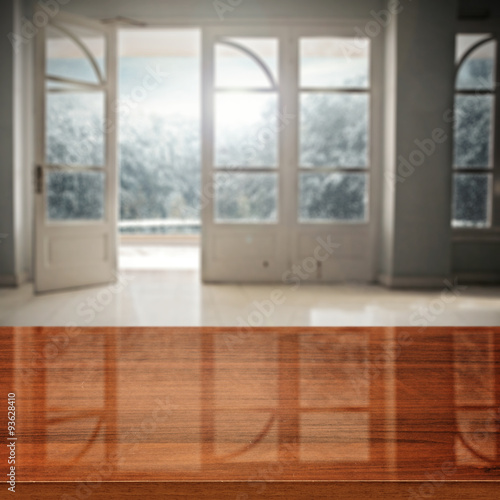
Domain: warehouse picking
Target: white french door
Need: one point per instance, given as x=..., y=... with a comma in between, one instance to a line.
x=244, y=163
x=290, y=154
x=76, y=173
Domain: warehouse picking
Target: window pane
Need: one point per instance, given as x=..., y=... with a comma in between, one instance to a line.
x=465, y=41
x=235, y=68
x=477, y=71
x=246, y=130
x=66, y=59
x=75, y=129
x=334, y=62
x=333, y=196
x=334, y=130
x=75, y=196
x=471, y=200
x=473, y=131
x=244, y=197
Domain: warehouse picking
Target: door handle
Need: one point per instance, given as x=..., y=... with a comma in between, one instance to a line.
x=39, y=179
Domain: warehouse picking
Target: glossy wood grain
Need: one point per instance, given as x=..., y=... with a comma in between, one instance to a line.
x=411, y=409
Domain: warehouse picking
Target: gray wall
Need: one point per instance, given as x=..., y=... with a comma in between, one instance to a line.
x=7, y=217
x=16, y=143
x=475, y=261
x=479, y=8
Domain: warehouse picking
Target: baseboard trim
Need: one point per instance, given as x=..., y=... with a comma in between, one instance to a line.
x=479, y=278
x=13, y=280
x=413, y=281
x=7, y=280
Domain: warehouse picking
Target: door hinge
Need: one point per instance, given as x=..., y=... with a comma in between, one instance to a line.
x=39, y=179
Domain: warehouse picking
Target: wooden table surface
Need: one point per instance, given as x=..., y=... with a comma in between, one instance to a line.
x=171, y=412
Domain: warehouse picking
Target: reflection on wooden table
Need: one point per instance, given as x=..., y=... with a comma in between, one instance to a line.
x=201, y=404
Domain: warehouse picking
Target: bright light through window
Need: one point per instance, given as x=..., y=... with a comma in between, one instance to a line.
x=159, y=139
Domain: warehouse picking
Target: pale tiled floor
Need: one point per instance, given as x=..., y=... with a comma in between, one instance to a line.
x=158, y=296
x=157, y=257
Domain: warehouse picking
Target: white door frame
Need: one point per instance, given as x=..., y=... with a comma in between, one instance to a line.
x=71, y=254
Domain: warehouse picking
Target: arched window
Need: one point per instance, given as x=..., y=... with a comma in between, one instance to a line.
x=474, y=144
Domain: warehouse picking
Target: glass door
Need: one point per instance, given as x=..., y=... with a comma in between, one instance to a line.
x=76, y=208
x=336, y=146
x=243, y=161
x=291, y=146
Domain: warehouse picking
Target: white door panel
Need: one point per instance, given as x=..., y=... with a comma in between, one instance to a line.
x=243, y=236
x=248, y=253
x=76, y=185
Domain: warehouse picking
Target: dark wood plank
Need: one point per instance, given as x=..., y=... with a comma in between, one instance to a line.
x=272, y=490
